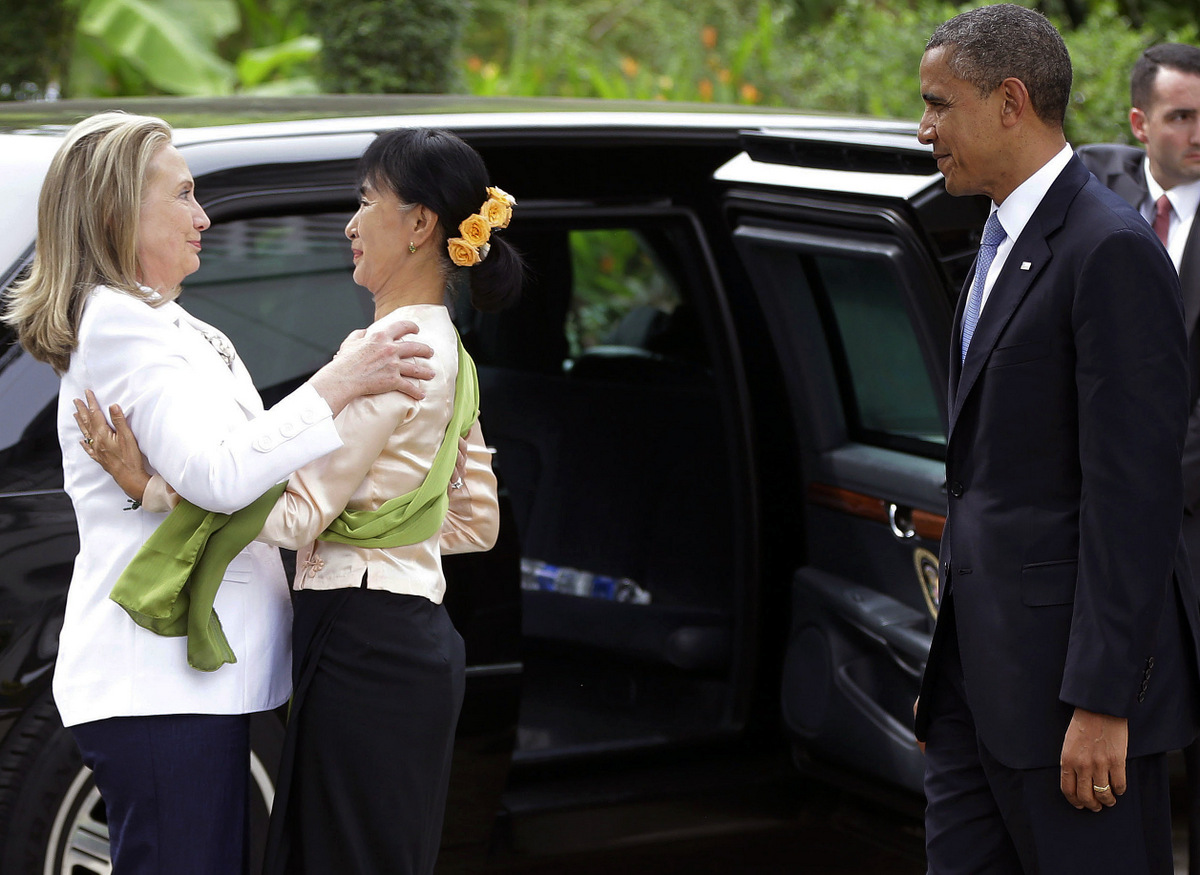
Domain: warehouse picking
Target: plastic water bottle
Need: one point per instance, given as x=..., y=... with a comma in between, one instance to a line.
x=538, y=576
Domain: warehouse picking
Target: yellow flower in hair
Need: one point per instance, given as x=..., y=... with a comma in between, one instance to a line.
x=501, y=195
x=475, y=230
x=496, y=213
x=462, y=253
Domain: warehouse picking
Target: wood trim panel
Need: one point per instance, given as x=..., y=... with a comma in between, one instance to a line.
x=928, y=526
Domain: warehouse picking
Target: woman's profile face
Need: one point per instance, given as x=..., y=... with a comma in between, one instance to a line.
x=379, y=235
x=169, y=223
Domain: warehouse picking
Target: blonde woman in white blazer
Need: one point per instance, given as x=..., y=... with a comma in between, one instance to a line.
x=118, y=230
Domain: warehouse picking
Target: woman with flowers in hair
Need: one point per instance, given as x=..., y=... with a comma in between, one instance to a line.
x=378, y=668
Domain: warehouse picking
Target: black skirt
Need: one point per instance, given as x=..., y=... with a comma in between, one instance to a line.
x=378, y=683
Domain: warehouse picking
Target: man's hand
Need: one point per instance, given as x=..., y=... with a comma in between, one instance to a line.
x=371, y=362
x=1092, y=771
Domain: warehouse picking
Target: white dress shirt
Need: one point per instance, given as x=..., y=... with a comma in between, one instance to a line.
x=1018, y=208
x=1184, y=200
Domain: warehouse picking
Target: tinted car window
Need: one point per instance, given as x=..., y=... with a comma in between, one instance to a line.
x=280, y=287
x=29, y=454
x=622, y=294
x=888, y=386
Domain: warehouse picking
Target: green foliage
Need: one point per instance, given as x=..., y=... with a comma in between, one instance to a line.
x=35, y=42
x=614, y=273
x=1103, y=51
x=864, y=60
x=190, y=47
x=853, y=56
x=375, y=46
x=705, y=50
x=131, y=40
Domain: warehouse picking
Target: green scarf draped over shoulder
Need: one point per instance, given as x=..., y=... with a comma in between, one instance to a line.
x=170, y=586
x=418, y=515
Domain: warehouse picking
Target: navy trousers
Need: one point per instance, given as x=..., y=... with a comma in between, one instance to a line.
x=176, y=790
x=983, y=817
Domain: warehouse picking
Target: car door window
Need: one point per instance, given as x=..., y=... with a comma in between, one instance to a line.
x=885, y=385
x=847, y=328
x=622, y=294
x=280, y=287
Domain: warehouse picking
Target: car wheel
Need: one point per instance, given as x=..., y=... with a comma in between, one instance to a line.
x=52, y=819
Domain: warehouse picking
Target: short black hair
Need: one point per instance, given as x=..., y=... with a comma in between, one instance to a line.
x=987, y=45
x=1176, y=56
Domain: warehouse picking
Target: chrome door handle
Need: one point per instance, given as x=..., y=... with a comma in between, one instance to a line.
x=903, y=527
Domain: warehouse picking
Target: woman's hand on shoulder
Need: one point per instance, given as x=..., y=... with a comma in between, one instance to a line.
x=113, y=447
x=374, y=361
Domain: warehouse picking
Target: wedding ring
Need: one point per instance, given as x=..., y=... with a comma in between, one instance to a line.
x=457, y=484
x=87, y=441
x=1103, y=789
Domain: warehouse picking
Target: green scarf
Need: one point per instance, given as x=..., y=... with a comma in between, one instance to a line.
x=418, y=515
x=172, y=582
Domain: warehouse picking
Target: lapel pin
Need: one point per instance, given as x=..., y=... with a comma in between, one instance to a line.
x=1025, y=265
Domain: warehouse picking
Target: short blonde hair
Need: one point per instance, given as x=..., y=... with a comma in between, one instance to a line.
x=86, y=231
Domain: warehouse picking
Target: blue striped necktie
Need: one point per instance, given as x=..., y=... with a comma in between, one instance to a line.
x=993, y=236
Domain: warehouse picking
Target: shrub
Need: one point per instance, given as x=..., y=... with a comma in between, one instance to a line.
x=374, y=46
x=35, y=43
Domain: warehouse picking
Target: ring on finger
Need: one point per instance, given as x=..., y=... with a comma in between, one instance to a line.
x=1100, y=789
x=88, y=441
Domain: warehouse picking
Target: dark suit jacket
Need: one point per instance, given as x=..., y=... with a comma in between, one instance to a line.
x=1064, y=574
x=1121, y=169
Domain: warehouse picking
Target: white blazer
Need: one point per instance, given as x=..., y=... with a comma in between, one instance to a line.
x=201, y=425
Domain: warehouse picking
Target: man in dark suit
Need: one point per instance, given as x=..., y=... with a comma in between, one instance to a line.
x=1064, y=663
x=1163, y=184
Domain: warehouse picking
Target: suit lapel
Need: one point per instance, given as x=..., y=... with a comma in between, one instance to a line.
x=1189, y=277
x=1010, y=289
x=1025, y=263
x=234, y=376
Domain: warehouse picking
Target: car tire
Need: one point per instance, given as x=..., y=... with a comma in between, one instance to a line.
x=52, y=819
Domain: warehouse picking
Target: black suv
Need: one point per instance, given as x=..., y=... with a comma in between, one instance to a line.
x=719, y=422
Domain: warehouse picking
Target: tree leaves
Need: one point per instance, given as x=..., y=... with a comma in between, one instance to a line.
x=173, y=56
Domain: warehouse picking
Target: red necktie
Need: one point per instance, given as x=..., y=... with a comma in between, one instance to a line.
x=1162, y=218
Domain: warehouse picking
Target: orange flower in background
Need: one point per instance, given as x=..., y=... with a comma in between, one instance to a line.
x=475, y=230
x=749, y=93
x=708, y=36
x=705, y=88
x=725, y=76
x=629, y=66
x=474, y=63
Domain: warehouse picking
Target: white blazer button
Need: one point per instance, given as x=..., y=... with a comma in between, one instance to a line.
x=264, y=444
x=309, y=416
x=289, y=429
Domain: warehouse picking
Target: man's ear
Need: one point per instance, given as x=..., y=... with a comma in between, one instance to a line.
x=1015, y=101
x=1137, y=124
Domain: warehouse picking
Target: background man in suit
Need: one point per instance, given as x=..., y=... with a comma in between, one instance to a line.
x=1163, y=184
x=1065, y=583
